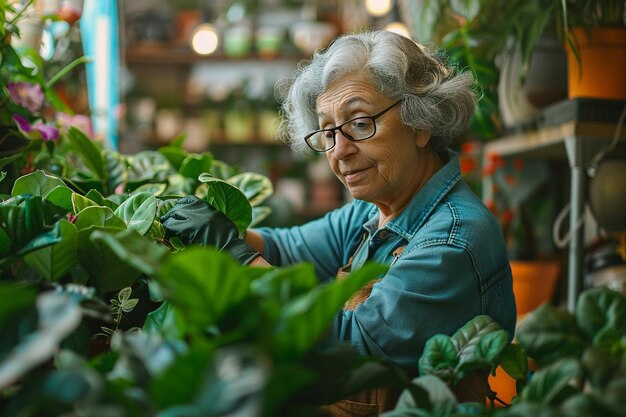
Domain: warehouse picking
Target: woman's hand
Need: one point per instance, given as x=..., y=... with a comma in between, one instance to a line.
x=194, y=220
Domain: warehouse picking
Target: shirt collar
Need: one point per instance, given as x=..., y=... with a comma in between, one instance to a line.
x=424, y=202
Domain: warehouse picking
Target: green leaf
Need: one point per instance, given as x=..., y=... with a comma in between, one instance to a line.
x=284, y=284
x=195, y=164
x=485, y=355
x=441, y=400
x=548, y=383
x=98, y=216
x=37, y=183
x=203, y=284
x=306, y=318
x=96, y=197
x=147, y=166
x=91, y=155
x=439, y=357
x=79, y=203
x=3, y=174
x=549, y=334
x=222, y=170
x=175, y=155
x=138, y=211
x=133, y=249
x=61, y=196
x=154, y=189
x=514, y=361
x=106, y=270
x=256, y=187
x=601, y=314
x=164, y=321
x=229, y=200
x=167, y=391
x=25, y=221
x=54, y=261
x=469, y=9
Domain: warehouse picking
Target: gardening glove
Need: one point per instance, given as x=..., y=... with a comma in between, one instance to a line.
x=194, y=220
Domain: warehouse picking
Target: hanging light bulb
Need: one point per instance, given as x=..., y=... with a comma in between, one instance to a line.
x=399, y=28
x=378, y=8
x=204, y=39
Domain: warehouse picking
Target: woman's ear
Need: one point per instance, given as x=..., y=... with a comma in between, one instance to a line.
x=422, y=138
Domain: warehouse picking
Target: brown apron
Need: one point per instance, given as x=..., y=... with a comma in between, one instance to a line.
x=375, y=401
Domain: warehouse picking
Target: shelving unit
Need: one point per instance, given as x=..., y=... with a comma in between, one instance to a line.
x=579, y=142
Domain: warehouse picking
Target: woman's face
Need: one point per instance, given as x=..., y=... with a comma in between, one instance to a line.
x=384, y=169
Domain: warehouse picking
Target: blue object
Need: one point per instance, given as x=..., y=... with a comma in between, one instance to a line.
x=454, y=266
x=100, y=36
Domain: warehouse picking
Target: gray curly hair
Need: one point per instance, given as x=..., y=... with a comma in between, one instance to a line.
x=435, y=98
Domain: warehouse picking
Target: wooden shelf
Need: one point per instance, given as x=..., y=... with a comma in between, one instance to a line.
x=548, y=142
x=170, y=54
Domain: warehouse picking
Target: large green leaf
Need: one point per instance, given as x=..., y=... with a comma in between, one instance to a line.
x=79, y=202
x=549, y=334
x=147, y=166
x=54, y=261
x=229, y=200
x=98, y=216
x=440, y=357
x=203, y=284
x=548, y=383
x=256, y=187
x=164, y=321
x=195, y=164
x=440, y=399
x=23, y=219
x=175, y=156
x=61, y=196
x=479, y=343
x=306, y=318
x=167, y=391
x=284, y=284
x=37, y=183
x=106, y=270
x=601, y=314
x=514, y=361
x=91, y=155
x=96, y=197
x=138, y=212
x=133, y=249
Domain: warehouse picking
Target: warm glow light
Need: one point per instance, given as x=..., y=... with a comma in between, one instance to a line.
x=378, y=7
x=399, y=28
x=204, y=40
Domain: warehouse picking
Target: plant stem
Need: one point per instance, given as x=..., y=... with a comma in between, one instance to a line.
x=68, y=68
x=20, y=13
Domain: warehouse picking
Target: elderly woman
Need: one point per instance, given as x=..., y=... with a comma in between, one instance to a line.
x=384, y=110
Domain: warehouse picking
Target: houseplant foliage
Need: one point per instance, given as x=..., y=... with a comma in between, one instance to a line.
x=582, y=359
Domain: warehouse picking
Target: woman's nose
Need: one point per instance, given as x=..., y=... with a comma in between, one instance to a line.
x=343, y=146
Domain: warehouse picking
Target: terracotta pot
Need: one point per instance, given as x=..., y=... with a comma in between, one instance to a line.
x=600, y=71
x=533, y=283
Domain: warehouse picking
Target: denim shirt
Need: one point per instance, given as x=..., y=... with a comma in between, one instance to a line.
x=453, y=268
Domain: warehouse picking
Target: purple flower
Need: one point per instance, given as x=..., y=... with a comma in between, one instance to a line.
x=30, y=96
x=37, y=130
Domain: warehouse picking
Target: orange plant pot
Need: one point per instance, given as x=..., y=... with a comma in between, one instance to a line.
x=533, y=283
x=601, y=69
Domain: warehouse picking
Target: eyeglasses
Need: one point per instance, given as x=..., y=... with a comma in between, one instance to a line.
x=357, y=129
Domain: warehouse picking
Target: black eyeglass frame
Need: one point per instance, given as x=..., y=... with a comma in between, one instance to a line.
x=347, y=136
